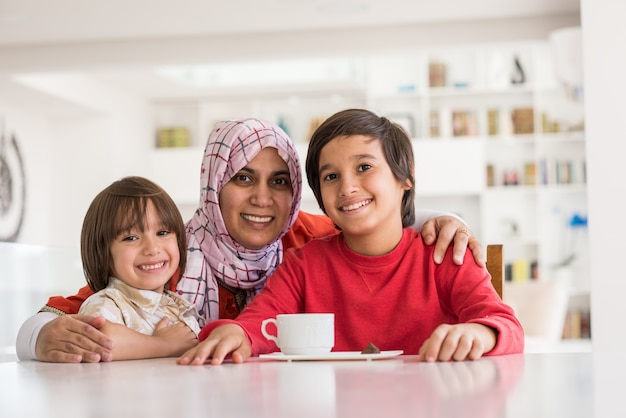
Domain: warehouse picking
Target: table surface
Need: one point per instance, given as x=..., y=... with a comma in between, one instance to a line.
x=524, y=385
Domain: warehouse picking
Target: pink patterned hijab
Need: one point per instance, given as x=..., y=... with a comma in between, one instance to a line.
x=212, y=255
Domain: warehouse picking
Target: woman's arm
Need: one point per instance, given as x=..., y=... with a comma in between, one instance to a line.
x=439, y=228
x=47, y=336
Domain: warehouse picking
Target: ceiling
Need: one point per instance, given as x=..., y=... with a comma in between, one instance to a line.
x=24, y=22
x=124, y=40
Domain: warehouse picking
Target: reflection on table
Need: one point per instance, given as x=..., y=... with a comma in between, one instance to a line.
x=525, y=385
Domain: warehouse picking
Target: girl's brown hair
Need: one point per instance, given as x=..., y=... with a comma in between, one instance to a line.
x=117, y=209
x=395, y=142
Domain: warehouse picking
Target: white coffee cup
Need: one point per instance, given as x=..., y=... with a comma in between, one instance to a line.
x=307, y=333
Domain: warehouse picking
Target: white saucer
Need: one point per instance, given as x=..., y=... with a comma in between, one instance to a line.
x=339, y=355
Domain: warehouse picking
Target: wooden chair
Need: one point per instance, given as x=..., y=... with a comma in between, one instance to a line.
x=495, y=266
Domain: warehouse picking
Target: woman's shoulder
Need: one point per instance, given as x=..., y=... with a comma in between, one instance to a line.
x=315, y=248
x=307, y=227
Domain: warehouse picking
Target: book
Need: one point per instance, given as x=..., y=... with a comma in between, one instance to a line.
x=463, y=123
x=173, y=137
x=523, y=120
x=493, y=122
x=521, y=270
x=434, y=123
x=436, y=74
x=530, y=174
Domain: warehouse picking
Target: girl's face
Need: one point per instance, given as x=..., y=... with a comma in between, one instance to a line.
x=256, y=202
x=360, y=193
x=146, y=260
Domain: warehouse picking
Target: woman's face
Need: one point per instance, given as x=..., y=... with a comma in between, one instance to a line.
x=256, y=202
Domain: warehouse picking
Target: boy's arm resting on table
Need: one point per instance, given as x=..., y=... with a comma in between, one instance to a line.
x=487, y=325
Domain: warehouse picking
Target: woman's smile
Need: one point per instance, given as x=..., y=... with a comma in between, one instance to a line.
x=257, y=219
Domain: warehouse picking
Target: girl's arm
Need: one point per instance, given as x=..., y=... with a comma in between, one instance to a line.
x=166, y=341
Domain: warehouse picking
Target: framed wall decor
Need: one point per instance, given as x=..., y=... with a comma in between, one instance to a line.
x=12, y=188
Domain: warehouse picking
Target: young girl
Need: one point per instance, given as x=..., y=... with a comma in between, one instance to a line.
x=132, y=243
x=377, y=275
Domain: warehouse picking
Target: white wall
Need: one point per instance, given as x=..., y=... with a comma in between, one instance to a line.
x=604, y=37
x=70, y=155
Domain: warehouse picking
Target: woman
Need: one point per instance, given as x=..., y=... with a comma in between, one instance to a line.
x=232, y=247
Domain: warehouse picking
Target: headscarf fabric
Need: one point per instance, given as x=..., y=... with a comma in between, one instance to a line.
x=213, y=257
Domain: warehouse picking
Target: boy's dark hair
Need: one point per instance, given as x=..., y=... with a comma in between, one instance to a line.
x=117, y=209
x=395, y=142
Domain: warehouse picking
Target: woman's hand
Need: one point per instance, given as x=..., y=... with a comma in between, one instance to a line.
x=223, y=340
x=446, y=230
x=74, y=339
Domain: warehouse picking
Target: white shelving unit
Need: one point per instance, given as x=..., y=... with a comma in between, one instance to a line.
x=473, y=130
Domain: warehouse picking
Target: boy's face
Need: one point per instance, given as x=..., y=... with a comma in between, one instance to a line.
x=360, y=193
x=148, y=259
x=256, y=202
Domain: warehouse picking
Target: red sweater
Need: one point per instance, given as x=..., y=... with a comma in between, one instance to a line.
x=306, y=227
x=395, y=300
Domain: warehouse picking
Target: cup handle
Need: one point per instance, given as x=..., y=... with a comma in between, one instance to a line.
x=264, y=330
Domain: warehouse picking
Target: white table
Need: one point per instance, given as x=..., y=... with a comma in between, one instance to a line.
x=529, y=385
